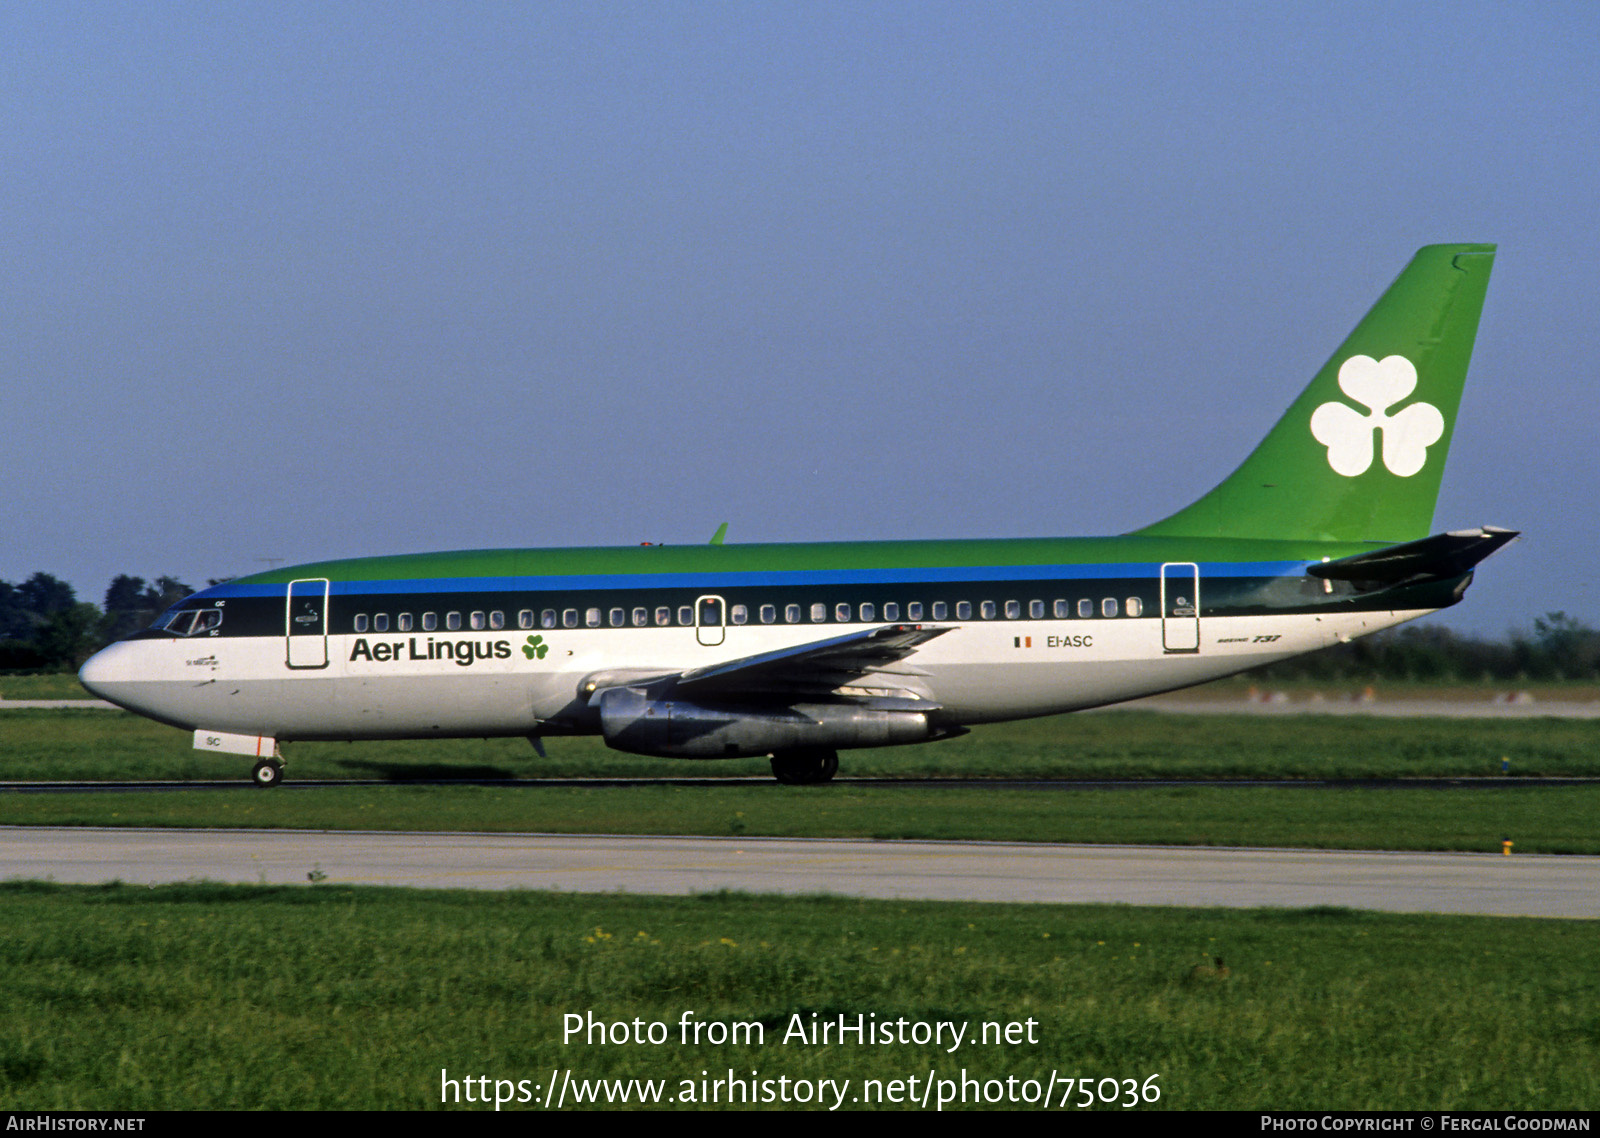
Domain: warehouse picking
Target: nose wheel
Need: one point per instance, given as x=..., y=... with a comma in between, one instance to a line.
x=803, y=768
x=268, y=772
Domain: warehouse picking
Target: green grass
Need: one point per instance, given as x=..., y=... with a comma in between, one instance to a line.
x=1537, y=819
x=206, y=996
x=114, y=745
x=198, y=996
x=57, y=685
x=87, y=744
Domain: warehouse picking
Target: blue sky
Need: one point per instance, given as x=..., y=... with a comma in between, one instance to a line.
x=302, y=281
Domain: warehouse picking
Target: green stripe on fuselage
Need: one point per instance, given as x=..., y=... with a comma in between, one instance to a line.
x=822, y=557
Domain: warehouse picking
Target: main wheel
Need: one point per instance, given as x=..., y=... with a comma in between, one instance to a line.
x=268, y=772
x=802, y=768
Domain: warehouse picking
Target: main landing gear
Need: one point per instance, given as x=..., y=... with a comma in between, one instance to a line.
x=268, y=772
x=802, y=768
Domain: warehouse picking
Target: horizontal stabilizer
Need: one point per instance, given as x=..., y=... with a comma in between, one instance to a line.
x=1439, y=557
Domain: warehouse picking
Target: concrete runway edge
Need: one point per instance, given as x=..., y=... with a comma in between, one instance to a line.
x=1523, y=885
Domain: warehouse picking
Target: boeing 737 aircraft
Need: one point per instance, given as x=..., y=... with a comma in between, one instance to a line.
x=800, y=651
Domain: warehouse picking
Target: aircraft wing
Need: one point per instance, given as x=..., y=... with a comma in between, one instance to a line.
x=819, y=668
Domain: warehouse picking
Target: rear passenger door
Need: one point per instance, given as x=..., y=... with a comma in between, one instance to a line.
x=1180, y=606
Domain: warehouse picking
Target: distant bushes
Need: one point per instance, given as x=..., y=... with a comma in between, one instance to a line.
x=1558, y=648
x=45, y=628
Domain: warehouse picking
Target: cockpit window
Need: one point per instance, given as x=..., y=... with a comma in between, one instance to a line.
x=188, y=622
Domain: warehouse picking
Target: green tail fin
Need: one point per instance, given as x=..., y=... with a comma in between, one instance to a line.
x=1360, y=454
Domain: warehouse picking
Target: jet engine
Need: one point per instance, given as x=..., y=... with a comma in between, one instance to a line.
x=634, y=720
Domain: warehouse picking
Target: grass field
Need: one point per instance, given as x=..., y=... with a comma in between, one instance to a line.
x=322, y=997
x=205, y=996
x=46, y=745
x=57, y=685
x=1537, y=819
x=72, y=745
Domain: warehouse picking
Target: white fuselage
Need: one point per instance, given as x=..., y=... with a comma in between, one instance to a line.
x=401, y=685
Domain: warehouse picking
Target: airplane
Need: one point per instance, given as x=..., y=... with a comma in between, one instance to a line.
x=799, y=651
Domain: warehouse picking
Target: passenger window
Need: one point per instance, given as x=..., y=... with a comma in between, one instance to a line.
x=380, y=622
x=891, y=611
x=1108, y=607
x=547, y=619
x=1085, y=608
x=663, y=617
x=497, y=619
x=1062, y=609
x=791, y=614
x=868, y=613
x=686, y=616
x=739, y=614
x=819, y=613
x=569, y=618
x=841, y=613
x=361, y=622
x=452, y=621
x=430, y=621
x=1035, y=610
x=525, y=618
x=1135, y=606
x=479, y=621
x=963, y=610
x=403, y=622
x=914, y=610
x=641, y=617
x=769, y=613
x=986, y=608
x=1013, y=610
x=617, y=617
x=940, y=610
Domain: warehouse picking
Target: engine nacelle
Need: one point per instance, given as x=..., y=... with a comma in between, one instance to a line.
x=631, y=720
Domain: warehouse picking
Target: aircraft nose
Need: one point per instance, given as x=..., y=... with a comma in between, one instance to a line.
x=109, y=673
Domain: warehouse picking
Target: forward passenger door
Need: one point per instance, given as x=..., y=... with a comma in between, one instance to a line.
x=306, y=623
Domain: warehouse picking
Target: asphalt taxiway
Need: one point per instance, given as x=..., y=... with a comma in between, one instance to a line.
x=1521, y=885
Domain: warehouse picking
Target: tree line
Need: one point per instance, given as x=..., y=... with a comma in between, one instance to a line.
x=44, y=627
x=1558, y=647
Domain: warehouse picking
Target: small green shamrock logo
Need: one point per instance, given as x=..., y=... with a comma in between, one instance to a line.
x=535, y=648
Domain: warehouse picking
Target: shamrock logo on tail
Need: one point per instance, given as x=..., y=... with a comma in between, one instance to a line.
x=535, y=648
x=1348, y=434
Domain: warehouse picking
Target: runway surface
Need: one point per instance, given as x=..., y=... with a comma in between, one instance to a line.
x=970, y=871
